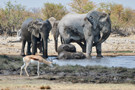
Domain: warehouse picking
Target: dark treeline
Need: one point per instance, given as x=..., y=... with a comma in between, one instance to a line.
x=12, y=15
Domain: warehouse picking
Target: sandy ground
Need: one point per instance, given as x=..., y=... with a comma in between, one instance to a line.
x=31, y=83
x=109, y=47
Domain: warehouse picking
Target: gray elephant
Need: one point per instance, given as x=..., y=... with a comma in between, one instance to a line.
x=39, y=46
x=33, y=31
x=85, y=29
x=66, y=47
x=71, y=55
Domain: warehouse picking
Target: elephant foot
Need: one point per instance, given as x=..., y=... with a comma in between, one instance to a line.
x=28, y=53
x=22, y=54
x=99, y=56
x=45, y=57
x=89, y=57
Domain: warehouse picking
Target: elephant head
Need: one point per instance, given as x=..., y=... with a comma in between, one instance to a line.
x=101, y=21
x=38, y=26
x=41, y=28
x=33, y=27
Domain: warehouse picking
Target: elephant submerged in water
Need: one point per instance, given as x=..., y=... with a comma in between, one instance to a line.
x=66, y=47
x=71, y=55
x=85, y=30
x=68, y=51
x=33, y=31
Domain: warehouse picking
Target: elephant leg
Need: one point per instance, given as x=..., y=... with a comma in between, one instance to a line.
x=39, y=46
x=28, y=48
x=89, y=43
x=34, y=44
x=83, y=46
x=98, y=47
x=23, y=47
x=98, y=50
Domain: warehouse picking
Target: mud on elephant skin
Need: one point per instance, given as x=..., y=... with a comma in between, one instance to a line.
x=66, y=47
x=71, y=55
x=85, y=28
x=33, y=31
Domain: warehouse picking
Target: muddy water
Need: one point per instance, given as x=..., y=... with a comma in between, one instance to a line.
x=119, y=61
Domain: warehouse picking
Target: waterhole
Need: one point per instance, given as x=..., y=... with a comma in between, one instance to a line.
x=118, y=61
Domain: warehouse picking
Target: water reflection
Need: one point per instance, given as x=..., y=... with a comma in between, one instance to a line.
x=119, y=61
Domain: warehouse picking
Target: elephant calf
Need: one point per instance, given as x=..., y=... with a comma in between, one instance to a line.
x=71, y=55
x=66, y=47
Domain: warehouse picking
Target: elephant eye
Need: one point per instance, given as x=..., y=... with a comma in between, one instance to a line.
x=91, y=17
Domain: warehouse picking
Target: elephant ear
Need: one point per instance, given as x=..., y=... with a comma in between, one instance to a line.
x=34, y=28
x=93, y=19
x=87, y=27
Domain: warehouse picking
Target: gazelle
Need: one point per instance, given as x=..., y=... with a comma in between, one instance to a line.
x=33, y=59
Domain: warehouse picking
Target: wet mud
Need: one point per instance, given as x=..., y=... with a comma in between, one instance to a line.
x=10, y=65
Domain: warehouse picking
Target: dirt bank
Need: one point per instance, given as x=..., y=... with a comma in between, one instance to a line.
x=10, y=65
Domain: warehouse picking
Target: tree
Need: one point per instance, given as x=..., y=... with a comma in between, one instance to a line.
x=106, y=7
x=117, y=9
x=53, y=10
x=36, y=12
x=12, y=16
x=82, y=6
x=127, y=14
x=122, y=18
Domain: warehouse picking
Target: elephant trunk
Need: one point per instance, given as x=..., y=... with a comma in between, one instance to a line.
x=106, y=30
x=103, y=38
x=45, y=45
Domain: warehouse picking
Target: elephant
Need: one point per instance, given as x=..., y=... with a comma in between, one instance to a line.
x=39, y=46
x=85, y=30
x=71, y=55
x=33, y=31
x=66, y=47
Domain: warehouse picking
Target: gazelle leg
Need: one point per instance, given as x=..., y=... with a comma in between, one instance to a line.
x=22, y=69
x=38, y=68
x=26, y=68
